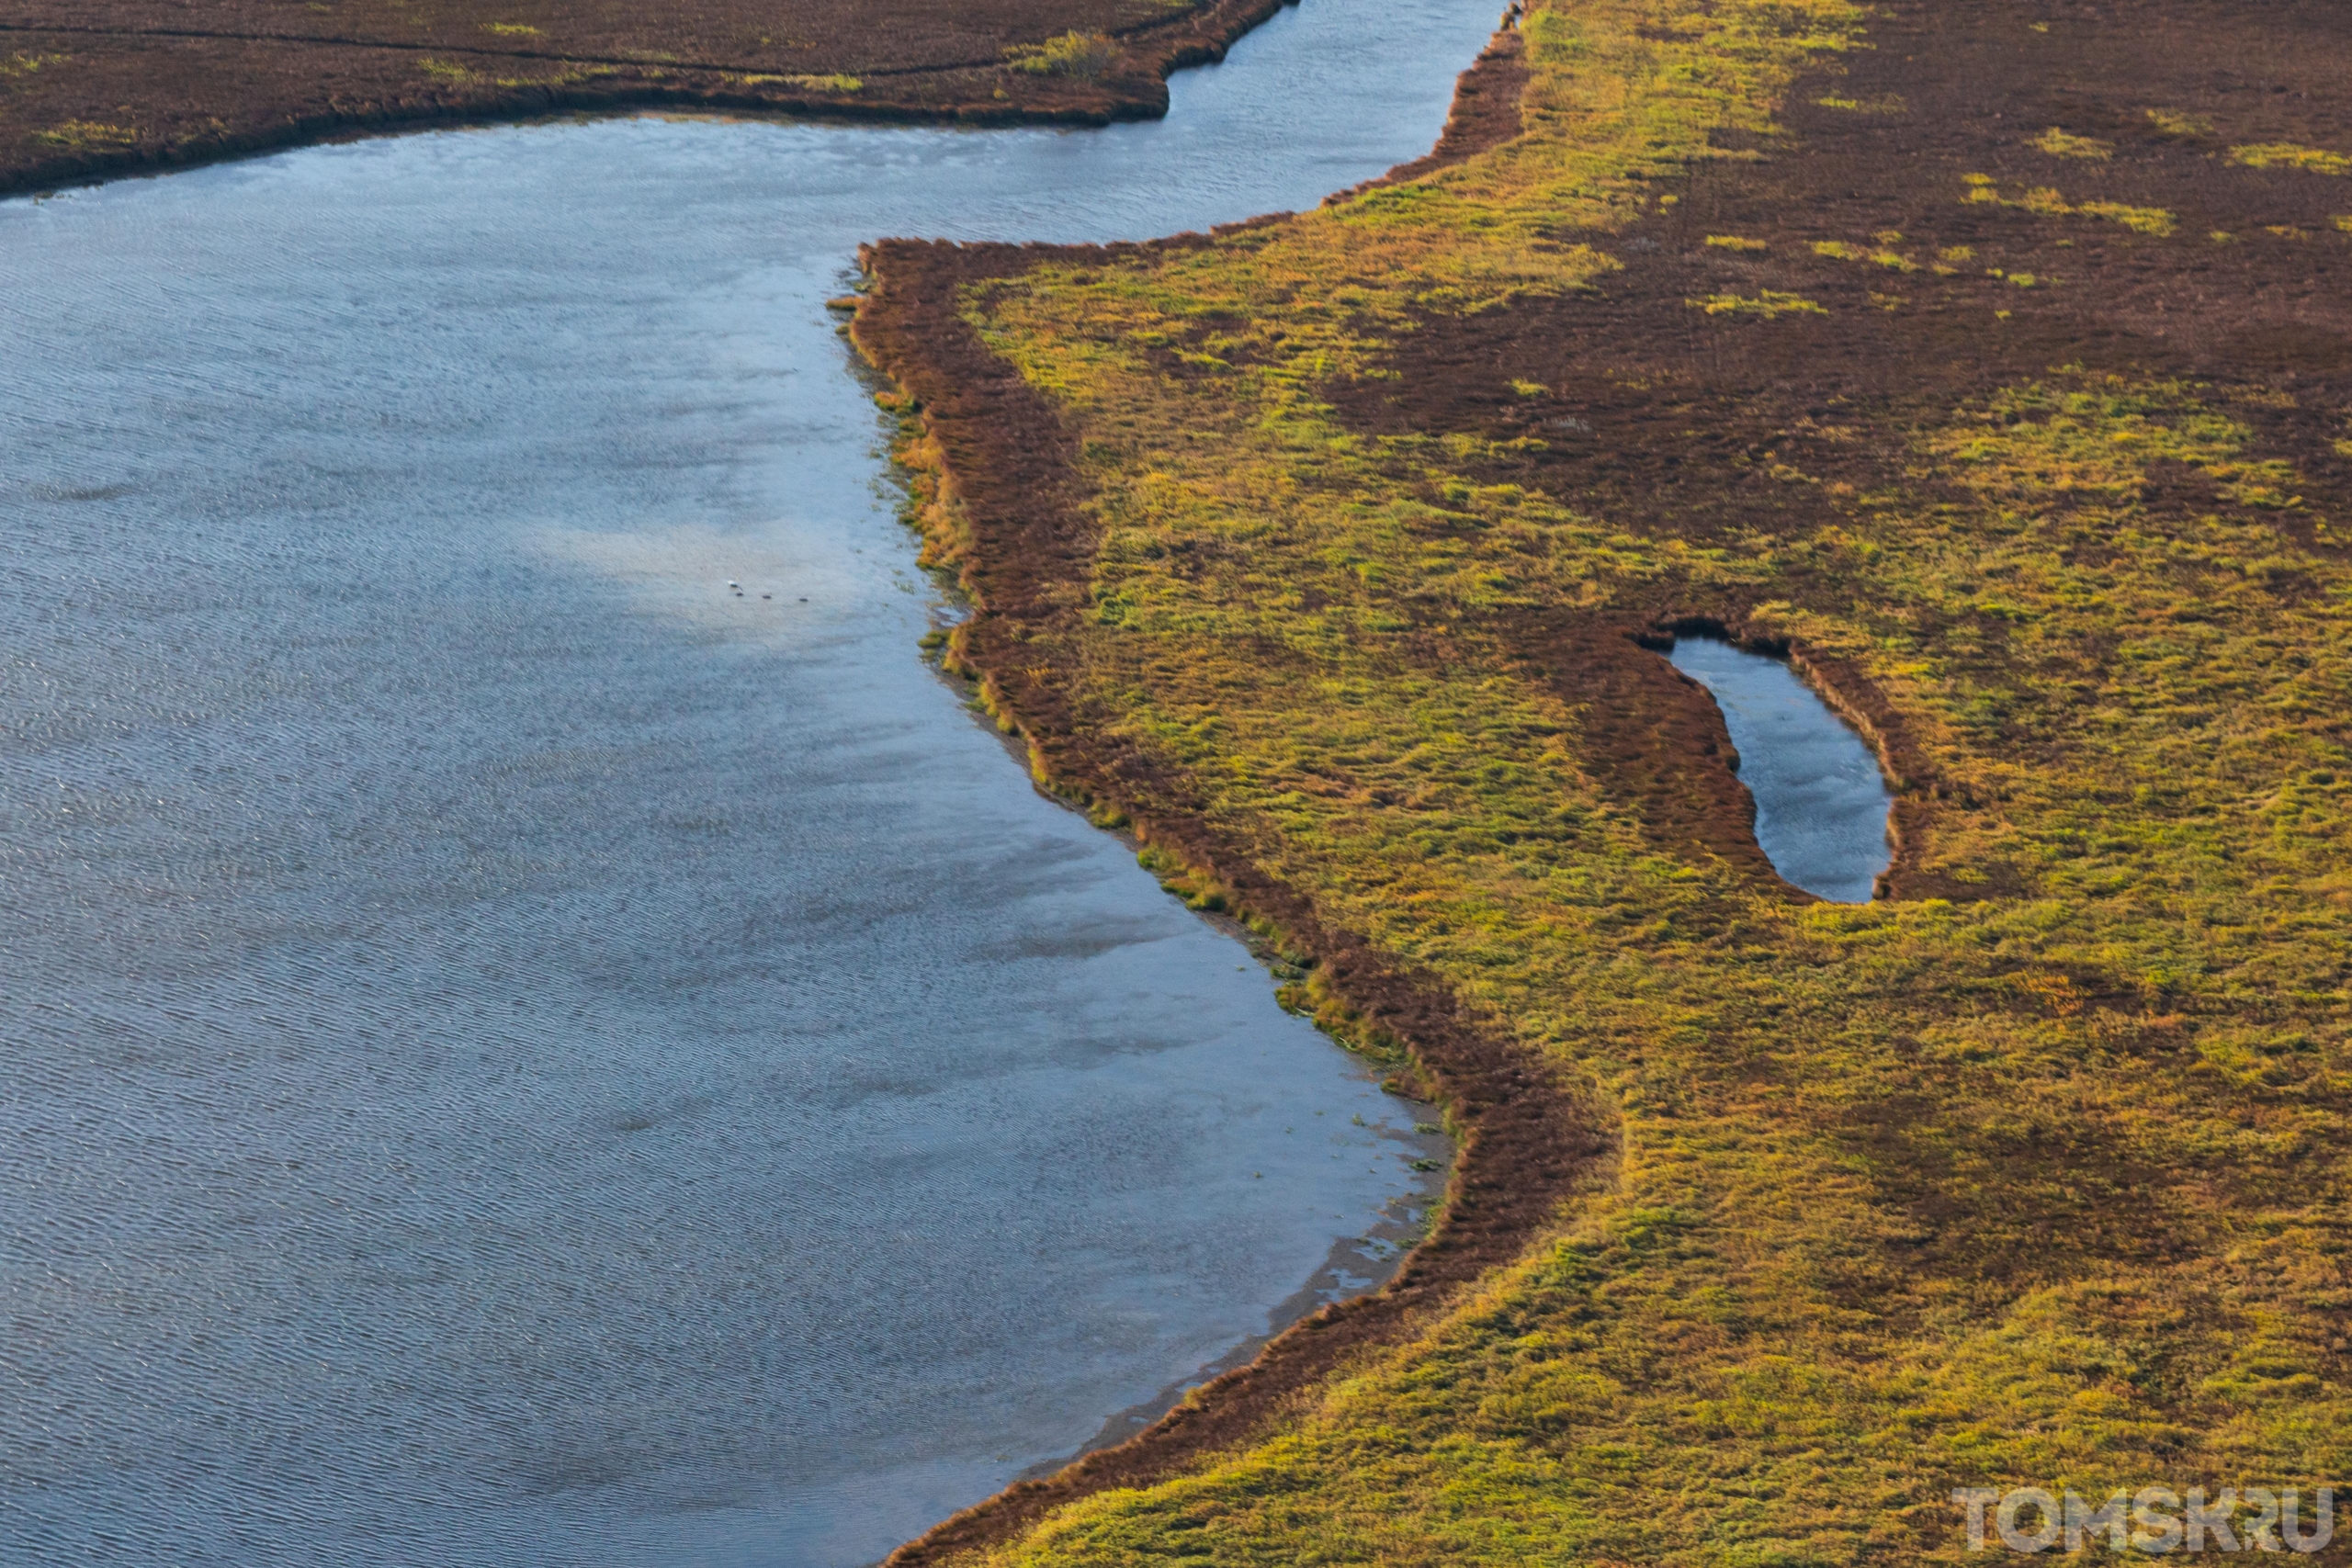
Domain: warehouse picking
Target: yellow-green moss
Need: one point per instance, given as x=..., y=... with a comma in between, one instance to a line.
x=1838, y=250
x=1887, y=103
x=24, y=65
x=1770, y=304
x=2059, y=144
x=2288, y=156
x=1071, y=54
x=87, y=134
x=2050, y=203
x=2174, y=123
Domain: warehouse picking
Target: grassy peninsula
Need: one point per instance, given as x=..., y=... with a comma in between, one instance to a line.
x=1994, y=360
x=92, y=89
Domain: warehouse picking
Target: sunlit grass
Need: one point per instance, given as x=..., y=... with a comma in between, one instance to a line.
x=2058, y=144
x=2288, y=156
x=87, y=134
x=1071, y=54
x=2044, y=1188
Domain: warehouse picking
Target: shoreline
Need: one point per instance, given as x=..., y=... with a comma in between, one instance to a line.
x=1001, y=510
x=1405, y=1223
x=1406, y=1220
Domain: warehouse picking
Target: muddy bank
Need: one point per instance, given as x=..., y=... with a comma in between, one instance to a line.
x=97, y=90
x=1024, y=544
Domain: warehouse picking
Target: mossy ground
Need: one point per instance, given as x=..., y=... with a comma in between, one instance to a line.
x=1997, y=368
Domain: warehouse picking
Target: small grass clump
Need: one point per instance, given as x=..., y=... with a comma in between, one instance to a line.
x=2059, y=144
x=1770, y=304
x=1838, y=250
x=24, y=64
x=2173, y=124
x=1071, y=54
x=81, y=135
x=1885, y=104
x=2289, y=155
x=2050, y=203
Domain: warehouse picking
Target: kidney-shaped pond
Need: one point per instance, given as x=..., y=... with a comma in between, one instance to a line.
x=518, y=1051
x=1821, y=799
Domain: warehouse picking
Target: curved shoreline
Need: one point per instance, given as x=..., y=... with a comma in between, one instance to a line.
x=974, y=92
x=1008, y=514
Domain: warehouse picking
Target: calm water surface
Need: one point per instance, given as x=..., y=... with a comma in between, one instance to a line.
x=517, y=1053
x=1821, y=800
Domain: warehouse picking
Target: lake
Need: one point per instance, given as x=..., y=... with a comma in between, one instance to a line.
x=521, y=1053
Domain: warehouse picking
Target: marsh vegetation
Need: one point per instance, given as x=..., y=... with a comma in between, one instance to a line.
x=1994, y=362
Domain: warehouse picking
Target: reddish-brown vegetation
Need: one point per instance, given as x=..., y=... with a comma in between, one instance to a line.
x=90, y=88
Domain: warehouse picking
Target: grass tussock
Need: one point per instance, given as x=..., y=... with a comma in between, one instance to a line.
x=2173, y=122
x=81, y=135
x=1770, y=305
x=2047, y=202
x=2288, y=156
x=1071, y=54
x=2043, y=1182
x=23, y=64
x=832, y=83
x=2059, y=143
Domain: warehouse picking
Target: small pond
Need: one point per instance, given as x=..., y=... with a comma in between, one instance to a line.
x=1821, y=798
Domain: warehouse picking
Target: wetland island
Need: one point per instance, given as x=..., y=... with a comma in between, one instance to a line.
x=1761, y=629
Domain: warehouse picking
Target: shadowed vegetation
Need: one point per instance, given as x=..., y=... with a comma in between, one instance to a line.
x=2032, y=1171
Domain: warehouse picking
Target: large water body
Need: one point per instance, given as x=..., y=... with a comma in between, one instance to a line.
x=514, y=1052
x=1821, y=797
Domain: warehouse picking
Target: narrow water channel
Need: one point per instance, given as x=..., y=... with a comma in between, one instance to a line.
x=1821, y=799
x=519, y=1053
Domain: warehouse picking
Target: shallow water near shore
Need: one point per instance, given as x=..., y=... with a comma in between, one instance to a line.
x=518, y=1053
x=1821, y=799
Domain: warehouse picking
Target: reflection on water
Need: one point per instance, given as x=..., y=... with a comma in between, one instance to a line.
x=1821, y=801
x=518, y=1053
